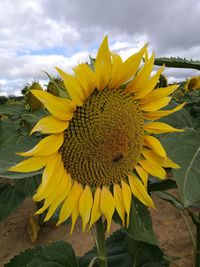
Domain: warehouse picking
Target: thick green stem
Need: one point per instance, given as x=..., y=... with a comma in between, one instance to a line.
x=197, y=257
x=99, y=236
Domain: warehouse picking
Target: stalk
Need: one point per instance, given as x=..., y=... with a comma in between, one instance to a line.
x=99, y=237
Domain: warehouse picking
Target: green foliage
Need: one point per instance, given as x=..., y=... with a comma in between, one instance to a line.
x=12, y=195
x=184, y=149
x=177, y=62
x=56, y=87
x=15, y=127
x=124, y=251
x=161, y=185
x=162, y=82
x=140, y=227
x=180, y=119
x=10, y=199
x=31, y=102
x=56, y=254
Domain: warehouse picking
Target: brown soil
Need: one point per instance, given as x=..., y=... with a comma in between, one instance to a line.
x=169, y=227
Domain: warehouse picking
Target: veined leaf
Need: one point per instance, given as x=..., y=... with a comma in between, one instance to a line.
x=57, y=254
x=12, y=195
x=124, y=251
x=140, y=227
x=11, y=141
x=184, y=149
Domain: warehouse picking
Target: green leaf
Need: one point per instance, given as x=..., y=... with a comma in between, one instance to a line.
x=184, y=149
x=11, y=141
x=10, y=198
x=140, y=226
x=179, y=119
x=11, y=109
x=28, y=186
x=162, y=185
x=57, y=254
x=124, y=251
x=12, y=195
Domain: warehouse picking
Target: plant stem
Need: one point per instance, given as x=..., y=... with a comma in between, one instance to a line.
x=189, y=229
x=197, y=257
x=99, y=237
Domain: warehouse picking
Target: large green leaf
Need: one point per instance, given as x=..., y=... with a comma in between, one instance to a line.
x=124, y=251
x=179, y=119
x=12, y=141
x=184, y=148
x=57, y=254
x=10, y=198
x=140, y=226
x=12, y=195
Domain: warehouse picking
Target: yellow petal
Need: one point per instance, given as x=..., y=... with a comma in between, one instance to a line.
x=146, y=55
x=155, y=145
x=161, y=113
x=61, y=108
x=139, y=191
x=30, y=165
x=170, y=164
x=66, y=185
x=96, y=212
x=103, y=65
x=143, y=174
x=70, y=202
x=117, y=71
x=107, y=205
x=54, y=167
x=143, y=75
x=149, y=85
x=119, y=202
x=123, y=72
x=155, y=159
x=127, y=199
x=160, y=93
x=155, y=104
x=74, y=215
x=85, y=206
x=86, y=78
x=47, y=146
x=153, y=169
x=51, y=197
x=160, y=127
x=73, y=88
x=132, y=64
x=50, y=125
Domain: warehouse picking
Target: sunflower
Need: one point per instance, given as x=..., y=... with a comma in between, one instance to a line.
x=100, y=146
x=193, y=83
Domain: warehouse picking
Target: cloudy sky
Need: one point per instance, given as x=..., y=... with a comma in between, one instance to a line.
x=38, y=35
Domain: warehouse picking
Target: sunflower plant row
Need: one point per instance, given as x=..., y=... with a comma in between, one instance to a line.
x=96, y=146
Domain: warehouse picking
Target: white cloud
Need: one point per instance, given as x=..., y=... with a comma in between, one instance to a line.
x=29, y=27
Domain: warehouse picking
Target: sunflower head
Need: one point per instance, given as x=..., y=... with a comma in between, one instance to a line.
x=192, y=84
x=100, y=146
x=162, y=82
x=53, y=86
x=33, y=102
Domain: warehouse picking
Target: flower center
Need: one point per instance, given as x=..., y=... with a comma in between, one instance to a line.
x=104, y=139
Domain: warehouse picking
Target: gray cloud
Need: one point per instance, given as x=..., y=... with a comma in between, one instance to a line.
x=171, y=27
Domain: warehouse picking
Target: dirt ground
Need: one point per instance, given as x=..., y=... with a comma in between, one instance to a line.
x=169, y=227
